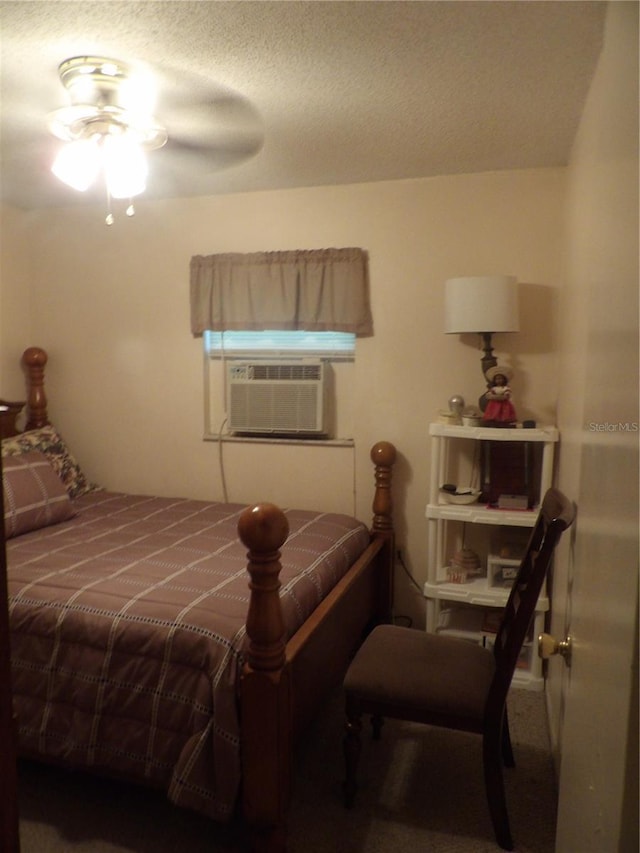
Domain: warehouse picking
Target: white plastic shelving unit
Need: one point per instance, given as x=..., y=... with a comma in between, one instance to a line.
x=461, y=609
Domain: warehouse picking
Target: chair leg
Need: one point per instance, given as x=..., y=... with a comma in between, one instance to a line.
x=494, y=784
x=351, y=747
x=507, y=749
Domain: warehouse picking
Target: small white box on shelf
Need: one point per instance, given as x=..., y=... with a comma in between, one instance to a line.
x=501, y=572
x=508, y=545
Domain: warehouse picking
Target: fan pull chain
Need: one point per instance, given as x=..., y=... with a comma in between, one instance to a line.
x=109, y=217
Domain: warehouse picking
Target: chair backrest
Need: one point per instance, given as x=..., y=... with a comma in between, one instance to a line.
x=556, y=514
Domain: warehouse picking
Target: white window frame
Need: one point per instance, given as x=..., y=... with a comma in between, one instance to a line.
x=333, y=346
x=220, y=348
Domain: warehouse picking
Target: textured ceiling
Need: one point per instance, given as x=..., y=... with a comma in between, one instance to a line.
x=340, y=92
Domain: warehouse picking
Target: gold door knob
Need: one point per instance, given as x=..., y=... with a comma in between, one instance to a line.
x=548, y=646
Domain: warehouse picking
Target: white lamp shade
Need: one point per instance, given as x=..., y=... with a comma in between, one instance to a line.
x=486, y=303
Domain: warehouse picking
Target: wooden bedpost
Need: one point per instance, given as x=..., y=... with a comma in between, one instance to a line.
x=265, y=685
x=273, y=668
x=34, y=359
x=263, y=529
x=383, y=456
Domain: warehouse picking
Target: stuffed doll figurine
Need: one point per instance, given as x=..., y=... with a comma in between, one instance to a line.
x=499, y=410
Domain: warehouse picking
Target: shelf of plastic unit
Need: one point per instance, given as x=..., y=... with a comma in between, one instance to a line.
x=476, y=591
x=482, y=433
x=482, y=514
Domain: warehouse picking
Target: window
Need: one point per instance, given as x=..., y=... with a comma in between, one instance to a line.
x=315, y=302
x=277, y=344
x=223, y=350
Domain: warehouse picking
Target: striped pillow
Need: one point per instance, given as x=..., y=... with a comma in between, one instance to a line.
x=34, y=495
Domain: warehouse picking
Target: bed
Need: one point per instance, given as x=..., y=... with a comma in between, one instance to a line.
x=178, y=643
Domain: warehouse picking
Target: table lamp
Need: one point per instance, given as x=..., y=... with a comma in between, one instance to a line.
x=484, y=305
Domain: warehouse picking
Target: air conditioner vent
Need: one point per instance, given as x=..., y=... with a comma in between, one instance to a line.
x=286, y=371
x=269, y=398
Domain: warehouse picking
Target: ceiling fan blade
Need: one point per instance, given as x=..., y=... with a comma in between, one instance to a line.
x=224, y=135
x=207, y=119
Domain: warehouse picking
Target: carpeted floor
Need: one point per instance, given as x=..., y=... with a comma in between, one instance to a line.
x=421, y=790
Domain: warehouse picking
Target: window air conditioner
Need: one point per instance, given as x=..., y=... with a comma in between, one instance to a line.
x=276, y=398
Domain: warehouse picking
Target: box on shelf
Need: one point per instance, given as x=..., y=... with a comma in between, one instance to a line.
x=502, y=572
x=470, y=622
x=510, y=468
x=508, y=545
x=513, y=502
x=460, y=621
x=491, y=621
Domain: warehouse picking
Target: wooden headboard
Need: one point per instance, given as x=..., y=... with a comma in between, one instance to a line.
x=34, y=360
x=9, y=413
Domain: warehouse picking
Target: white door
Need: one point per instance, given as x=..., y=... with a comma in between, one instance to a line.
x=598, y=803
x=599, y=763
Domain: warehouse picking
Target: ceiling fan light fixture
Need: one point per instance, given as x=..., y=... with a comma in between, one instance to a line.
x=77, y=163
x=125, y=166
x=107, y=126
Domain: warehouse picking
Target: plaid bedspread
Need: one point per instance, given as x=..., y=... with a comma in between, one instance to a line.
x=128, y=633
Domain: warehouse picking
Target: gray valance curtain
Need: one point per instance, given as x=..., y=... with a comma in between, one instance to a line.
x=314, y=290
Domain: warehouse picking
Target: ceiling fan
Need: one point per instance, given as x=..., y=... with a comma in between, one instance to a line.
x=109, y=126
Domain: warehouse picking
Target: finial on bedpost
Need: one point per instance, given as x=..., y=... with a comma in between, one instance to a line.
x=35, y=359
x=263, y=529
x=383, y=456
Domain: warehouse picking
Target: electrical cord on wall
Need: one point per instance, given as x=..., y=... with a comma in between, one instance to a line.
x=223, y=479
x=399, y=618
x=353, y=469
x=406, y=570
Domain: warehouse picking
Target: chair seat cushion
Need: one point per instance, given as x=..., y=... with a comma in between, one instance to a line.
x=405, y=667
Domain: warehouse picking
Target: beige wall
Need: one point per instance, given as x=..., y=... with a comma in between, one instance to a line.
x=125, y=376
x=15, y=299
x=594, y=705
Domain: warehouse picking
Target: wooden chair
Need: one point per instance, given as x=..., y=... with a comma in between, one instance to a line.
x=408, y=674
